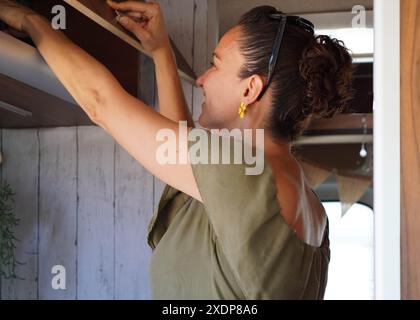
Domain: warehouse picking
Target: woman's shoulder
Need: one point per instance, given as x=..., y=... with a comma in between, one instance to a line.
x=230, y=192
x=300, y=207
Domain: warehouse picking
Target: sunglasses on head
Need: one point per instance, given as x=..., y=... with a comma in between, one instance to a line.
x=284, y=19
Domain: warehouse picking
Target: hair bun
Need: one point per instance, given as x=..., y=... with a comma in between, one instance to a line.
x=326, y=67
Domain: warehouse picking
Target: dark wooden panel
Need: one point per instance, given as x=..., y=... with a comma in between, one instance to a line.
x=12, y=120
x=103, y=15
x=342, y=124
x=344, y=158
x=47, y=110
x=410, y=149
x=363, y=84
x=119, y=57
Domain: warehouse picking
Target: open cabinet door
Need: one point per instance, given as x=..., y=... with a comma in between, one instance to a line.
x=101, y=13
x=410, y=149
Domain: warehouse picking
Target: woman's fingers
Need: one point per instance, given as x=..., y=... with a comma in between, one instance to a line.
x=135, y=14
x=148, y=9
x=136, y=28
x=145, y=21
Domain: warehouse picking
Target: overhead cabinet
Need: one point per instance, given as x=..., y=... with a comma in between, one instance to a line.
x=31, y=96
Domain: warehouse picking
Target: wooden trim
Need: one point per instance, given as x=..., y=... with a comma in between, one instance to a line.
x=335, y=139
x=103, y=15
x=386, y=149
x=410, y=149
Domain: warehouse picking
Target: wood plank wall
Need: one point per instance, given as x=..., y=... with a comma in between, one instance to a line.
x=84, y=203
x=1, y=179
x=410, y=149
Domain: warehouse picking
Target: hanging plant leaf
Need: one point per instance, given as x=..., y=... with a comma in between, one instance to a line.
x=8, y=222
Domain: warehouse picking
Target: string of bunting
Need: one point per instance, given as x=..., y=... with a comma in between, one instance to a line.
x=351, y=187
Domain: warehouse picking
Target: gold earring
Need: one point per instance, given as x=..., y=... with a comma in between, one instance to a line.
x=242, y=110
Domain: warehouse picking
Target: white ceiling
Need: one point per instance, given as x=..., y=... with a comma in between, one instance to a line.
x=231, y=10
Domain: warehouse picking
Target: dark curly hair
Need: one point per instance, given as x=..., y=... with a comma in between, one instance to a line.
x=313, y=75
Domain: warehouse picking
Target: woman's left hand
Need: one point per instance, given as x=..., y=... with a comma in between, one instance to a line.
x=14, y=14
x=145, y=20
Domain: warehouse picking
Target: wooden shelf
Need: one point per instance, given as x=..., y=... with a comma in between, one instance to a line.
x=99, y=12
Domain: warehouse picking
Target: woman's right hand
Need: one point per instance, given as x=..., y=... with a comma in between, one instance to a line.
x=145, y=21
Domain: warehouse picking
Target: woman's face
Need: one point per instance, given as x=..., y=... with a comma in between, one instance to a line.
x=223, y=89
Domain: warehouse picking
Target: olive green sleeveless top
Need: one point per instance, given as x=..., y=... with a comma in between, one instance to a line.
x=234, y=245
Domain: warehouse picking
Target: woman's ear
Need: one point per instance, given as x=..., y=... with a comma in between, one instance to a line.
x=254, y=88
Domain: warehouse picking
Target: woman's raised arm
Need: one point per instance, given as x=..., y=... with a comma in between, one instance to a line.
x=131, y=122
x=146, y=22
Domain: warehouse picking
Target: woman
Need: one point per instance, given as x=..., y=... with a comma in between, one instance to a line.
x=219, y=233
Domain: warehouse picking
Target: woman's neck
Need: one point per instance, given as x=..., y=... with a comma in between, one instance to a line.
x=273, y=148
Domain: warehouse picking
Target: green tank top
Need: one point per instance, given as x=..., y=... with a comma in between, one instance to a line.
x=234, y=245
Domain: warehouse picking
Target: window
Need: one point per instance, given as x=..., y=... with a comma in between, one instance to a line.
x=351, y=269
x=358, y=40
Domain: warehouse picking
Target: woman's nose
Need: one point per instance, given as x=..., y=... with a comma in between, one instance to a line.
x=201, y=79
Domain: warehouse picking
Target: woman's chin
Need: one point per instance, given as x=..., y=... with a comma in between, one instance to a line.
x=205, y=121
x=201, y=121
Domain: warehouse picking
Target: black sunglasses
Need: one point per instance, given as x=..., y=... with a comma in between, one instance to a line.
x=297, y=21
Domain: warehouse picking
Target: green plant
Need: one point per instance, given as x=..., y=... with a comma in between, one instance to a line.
x=7, y=238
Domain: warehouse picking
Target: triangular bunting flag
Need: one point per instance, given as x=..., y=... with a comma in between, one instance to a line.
x=350, y=190
x=314, y=175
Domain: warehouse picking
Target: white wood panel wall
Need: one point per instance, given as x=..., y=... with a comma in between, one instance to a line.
x=84, y=203
x=1, y=177
x=58, y=221
x=95, y=193
x=134, y=206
